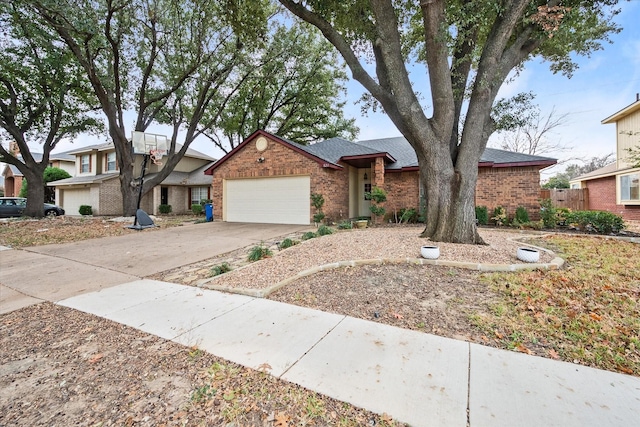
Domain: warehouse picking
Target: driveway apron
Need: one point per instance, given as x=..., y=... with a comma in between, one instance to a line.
x=56, y=272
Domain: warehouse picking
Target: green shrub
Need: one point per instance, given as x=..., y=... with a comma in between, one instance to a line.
x=561, y=215
x=85, y=210
x=287, y=243
x=408, y=215
x=317, y=200
x=522, y=216
x=345, y=225
x=323, y=230
x=318, y=217
x=164, y=209
x=197, y=209
x=220, y=269
x=482, y=215
x=596, y=221
x=499, y=216
x=259, y=252
x=309, y=235
x=548, y=213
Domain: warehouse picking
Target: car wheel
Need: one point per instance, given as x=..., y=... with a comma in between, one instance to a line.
x=51, y=213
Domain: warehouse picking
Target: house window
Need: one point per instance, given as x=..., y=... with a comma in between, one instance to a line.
x=199, y=193
x=85, y=163
x=630, y=187
x=111, y=162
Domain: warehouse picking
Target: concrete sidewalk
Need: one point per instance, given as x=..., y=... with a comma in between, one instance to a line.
x=420, y=379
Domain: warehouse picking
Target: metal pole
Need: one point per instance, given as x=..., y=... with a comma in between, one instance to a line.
x=144, y=167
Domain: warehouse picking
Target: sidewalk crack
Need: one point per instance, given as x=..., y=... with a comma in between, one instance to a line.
x=312, y=347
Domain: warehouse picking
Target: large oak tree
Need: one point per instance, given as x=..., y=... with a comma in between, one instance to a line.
x=468, y=48
x=168, y=61
x=43, y=98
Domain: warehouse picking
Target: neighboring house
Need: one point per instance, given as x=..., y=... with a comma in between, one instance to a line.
x=13, y=177
x=96, y=182
x=616, y=187
x=269, y=179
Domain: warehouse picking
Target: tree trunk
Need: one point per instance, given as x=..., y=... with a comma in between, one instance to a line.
x=129, y=191
x=450, y=198
x=35, y=191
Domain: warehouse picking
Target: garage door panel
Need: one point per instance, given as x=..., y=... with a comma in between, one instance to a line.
x=72, y=199
x=268, y=200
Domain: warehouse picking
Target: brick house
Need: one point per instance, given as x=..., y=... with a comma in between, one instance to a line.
x=96, y=182
x=269, y=179
x=616, y=186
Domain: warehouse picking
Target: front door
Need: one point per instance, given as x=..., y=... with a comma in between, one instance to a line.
x=164, y=195
x=364, y=187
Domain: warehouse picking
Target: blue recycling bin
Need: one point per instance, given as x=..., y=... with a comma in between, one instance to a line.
x=208, y=211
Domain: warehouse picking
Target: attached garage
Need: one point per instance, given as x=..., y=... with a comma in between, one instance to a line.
x=279, y=200
x=73, y=198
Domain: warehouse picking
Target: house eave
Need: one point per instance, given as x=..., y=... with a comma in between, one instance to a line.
x=360, y=160
x=622, y=113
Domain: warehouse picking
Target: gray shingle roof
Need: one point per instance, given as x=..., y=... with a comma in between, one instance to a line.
x=83, y=179
x=332, y=150
x=398, y=147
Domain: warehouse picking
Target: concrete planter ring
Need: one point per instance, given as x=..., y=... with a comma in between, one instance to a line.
x=430, y=252
x=528, y=255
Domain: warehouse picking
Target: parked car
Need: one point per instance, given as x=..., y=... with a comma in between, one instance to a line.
x=15, y=206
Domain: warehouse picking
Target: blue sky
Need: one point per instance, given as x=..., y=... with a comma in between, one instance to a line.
x=602, y=85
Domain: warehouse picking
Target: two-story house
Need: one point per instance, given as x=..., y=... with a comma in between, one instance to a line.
x=616, y=187
x=96, y=182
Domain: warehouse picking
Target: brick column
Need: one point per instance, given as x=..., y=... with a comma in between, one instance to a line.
x=378, y=173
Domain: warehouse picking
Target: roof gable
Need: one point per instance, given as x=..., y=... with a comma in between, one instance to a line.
x=305, y=150
x=626, y=111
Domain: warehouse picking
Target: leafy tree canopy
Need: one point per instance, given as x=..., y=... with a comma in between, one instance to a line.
x=291, y=86
x=469, y=48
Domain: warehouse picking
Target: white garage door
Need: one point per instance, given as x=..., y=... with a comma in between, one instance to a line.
x=268, y=200
x=73, y=199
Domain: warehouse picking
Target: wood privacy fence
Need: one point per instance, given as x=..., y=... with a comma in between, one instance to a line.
x=576, y=199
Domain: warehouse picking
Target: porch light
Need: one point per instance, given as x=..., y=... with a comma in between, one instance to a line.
x=366, y=177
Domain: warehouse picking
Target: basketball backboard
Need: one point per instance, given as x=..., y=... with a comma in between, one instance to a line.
x=144, y=143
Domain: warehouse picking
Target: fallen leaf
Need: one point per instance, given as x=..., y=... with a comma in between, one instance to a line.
x=386, y=418
x=625, y=370
x=485, y=338
x=281, y=420
x=265, y=367
x=522, y=349
x=498, y=334
x=96, y=358
x=553, y=354
x=397, y=316
x=595, y=316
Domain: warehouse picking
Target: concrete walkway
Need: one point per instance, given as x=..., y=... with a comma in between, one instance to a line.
x=417, y=378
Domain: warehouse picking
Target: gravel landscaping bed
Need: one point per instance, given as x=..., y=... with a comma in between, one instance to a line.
x=389, y=243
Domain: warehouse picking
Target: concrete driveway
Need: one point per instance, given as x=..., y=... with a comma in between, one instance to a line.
x=56, y=272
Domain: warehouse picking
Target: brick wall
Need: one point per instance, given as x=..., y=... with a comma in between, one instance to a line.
x=281, y=161
x=110, y=198
x=602, y=197
x=403, y=191
x=509, y=188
